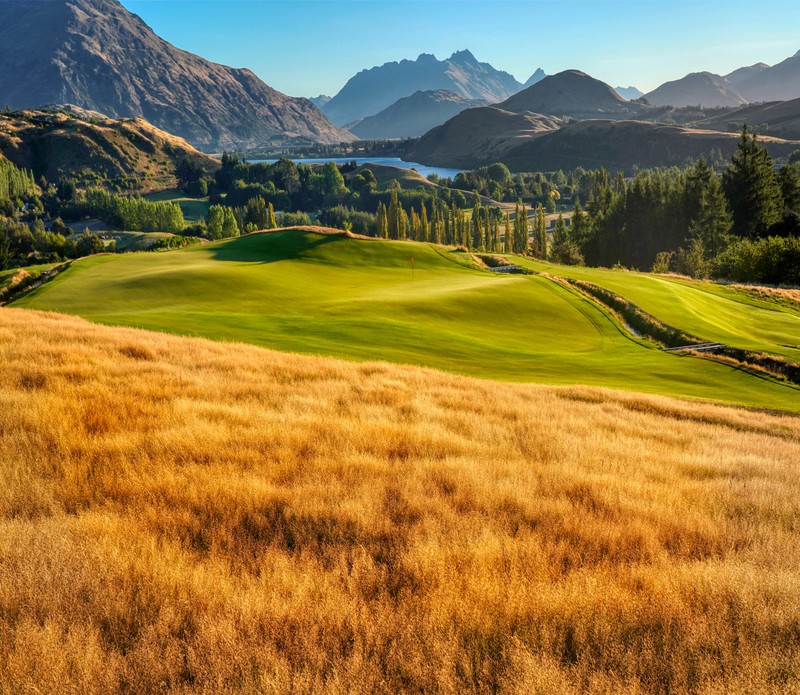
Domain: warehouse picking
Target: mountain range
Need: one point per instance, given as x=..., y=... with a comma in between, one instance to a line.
x=97, y=55
x=754, y=83
x=527, y=134
x=371, y=91
x=415, y=115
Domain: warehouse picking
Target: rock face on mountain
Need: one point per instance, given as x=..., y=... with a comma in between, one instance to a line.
x=371, y=91
x=478, y=136
x=571, y=93
x=413, y=116
x=97, y=55
x=624, y=145
x=129, y=154
x=696, y=88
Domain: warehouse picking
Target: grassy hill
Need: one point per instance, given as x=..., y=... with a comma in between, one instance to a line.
x=333, y=295
x=707, y=310
x=94, y=149
x=186, y=516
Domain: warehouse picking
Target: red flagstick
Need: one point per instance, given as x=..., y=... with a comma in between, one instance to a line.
x=412, y=267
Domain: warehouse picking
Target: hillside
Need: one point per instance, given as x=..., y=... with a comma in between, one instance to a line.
x=413, y=116
x=99, y=56
x=371, y=91
x=779, y=119
x=568, y=93
x=478, y=136
x=185, y=516
x=303, y=291
x=624, y=145
x=697, y=88
x=91, y=148
x=740, y=76
x=780, y=82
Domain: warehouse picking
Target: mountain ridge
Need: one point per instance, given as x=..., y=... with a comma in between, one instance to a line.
x=372, y=90
x=99, y=56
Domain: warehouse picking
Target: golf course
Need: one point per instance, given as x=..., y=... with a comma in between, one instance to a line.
x=336, y=295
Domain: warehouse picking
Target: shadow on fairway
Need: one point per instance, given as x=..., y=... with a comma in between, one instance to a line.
x=270, y=247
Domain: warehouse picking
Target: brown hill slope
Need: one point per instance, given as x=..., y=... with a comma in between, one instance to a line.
x=703, y=88
x=478, y=136
x=569, y=93
x=129, y=153
x=778, y=118
x=97, y=55
x=623, y=145
x=183, y=516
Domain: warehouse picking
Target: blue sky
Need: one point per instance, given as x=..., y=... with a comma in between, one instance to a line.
x=308, y=47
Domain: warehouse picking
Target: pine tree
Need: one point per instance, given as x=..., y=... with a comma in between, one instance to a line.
x=714, y=222
x=790, y=187
x=560, y=233
x=752, y=189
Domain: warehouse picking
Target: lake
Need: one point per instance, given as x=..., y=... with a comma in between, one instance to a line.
x=385, y=161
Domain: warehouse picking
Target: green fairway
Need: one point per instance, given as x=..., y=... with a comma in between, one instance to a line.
x=331, y=295
x=709, y=311
x=194, y=209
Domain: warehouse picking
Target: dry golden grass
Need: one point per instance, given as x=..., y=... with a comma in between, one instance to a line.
x=188, y=516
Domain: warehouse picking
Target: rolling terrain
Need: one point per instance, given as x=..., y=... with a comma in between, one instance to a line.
x=710, y=311
x=186, y=516
x=328, y=294
x=93, y=149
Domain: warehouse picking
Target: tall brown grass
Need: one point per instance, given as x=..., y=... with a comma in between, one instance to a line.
x=187, y=516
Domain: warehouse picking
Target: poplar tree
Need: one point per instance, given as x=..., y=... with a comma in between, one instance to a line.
x=273, y=223
x=508, y=246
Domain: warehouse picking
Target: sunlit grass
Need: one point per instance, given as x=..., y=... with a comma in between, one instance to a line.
x=189, y=516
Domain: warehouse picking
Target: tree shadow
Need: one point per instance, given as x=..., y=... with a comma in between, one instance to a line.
x=270, y=247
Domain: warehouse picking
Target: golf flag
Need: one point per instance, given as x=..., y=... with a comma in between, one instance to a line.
x=412, y=259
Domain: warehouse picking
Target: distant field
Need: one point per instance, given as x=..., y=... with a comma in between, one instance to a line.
x=194, y=209
x=331, y=295
x=713, y=312
x=185, y=516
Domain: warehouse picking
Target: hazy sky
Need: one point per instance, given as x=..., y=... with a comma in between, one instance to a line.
x=308, y=47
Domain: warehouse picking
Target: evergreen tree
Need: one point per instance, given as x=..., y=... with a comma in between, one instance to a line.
x=790, y=187
x=714, y=222
x=752, y=189
x=560, y=232
x=541, y=231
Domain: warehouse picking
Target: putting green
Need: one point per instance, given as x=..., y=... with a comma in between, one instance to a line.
x=334, y=295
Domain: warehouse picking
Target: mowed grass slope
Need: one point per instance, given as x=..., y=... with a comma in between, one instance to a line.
x=355, y=298
x=707, y=310
x=180, y=515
